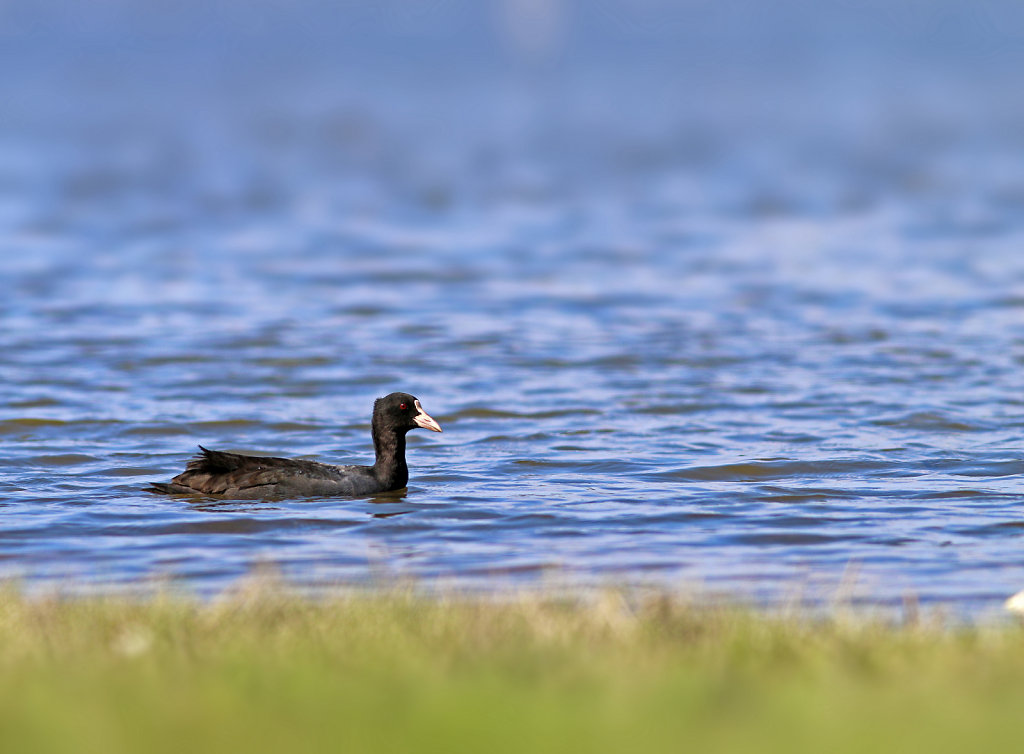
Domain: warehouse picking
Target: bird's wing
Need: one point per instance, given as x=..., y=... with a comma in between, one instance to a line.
x=215, y=472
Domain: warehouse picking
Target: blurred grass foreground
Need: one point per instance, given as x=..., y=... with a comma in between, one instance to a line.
x=264, y=669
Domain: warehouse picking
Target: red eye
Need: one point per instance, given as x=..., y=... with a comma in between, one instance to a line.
x=402, y=406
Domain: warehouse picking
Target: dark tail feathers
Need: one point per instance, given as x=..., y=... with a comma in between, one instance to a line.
x=214, y=461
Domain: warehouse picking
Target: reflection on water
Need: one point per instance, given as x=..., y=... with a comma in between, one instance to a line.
x=694, y=313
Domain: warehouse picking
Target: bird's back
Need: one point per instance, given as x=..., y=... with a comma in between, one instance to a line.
x=215, y=472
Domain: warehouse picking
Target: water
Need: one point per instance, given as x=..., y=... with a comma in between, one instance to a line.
x=746, y=322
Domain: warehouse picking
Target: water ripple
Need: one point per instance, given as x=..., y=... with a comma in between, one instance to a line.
x=758, y=352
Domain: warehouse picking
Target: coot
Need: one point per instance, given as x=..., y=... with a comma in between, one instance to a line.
x=232, y=475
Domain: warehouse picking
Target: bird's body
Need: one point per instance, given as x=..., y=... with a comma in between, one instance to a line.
x=237, y=476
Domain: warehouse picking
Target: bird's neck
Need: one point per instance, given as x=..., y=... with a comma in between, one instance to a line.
x=389, y=467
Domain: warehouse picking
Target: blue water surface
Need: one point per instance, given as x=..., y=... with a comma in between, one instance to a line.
x=709, y=296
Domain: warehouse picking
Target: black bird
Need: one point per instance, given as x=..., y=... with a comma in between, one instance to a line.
x=232, y=475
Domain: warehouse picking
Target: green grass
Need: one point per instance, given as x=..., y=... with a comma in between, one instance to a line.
x=268, y=671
